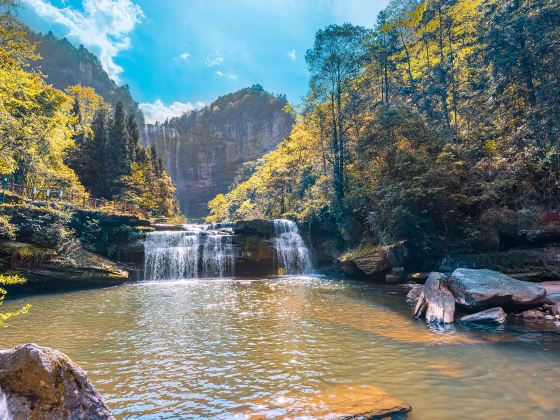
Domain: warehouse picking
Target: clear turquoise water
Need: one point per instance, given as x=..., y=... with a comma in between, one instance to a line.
x=224, y=348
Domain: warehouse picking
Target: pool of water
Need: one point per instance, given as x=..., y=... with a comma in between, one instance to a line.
x=227, y=348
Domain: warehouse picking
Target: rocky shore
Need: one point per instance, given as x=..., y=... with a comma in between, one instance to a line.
x=469, y=295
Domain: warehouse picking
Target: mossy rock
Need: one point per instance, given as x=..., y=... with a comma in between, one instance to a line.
x=371, y=261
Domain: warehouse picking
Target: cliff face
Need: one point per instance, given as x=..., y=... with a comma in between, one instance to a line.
x=204, y=150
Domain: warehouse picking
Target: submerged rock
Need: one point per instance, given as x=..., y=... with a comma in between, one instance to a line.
x=44, y=384
x=476, y=289
x=489, y=315
x=338, y=402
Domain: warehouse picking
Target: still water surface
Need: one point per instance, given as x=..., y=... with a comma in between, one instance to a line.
x=224, y=348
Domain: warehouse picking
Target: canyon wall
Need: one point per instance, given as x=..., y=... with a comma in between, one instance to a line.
x=204, y=150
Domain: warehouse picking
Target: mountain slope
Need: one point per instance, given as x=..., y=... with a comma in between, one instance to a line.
x=66, y=65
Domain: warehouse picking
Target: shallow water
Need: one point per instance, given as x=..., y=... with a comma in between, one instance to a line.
x=224, y=348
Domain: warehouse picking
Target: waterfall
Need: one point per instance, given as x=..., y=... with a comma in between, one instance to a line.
x=190, y=253
x=4, y=412
x=292, y=255
x=217, y=256
x=171, y=255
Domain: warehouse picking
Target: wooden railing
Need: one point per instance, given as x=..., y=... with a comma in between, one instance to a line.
x=58, y=194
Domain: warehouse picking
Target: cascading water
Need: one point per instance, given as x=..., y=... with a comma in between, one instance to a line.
x=4, y=413
x=217, y=256
x=194, y=252
x=292, y=255
x=171, y=255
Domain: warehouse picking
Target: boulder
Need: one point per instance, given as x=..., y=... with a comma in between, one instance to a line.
x=489, y=315
x=436, y=300
x=479, y=289
x=556, y=309
x=552, y=299
x=525, y=264
x=42, y=383
x=368, y=261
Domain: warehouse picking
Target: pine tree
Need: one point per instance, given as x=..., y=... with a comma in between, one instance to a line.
x=117, y=155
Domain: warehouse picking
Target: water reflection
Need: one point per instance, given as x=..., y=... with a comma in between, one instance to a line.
x=217, y=348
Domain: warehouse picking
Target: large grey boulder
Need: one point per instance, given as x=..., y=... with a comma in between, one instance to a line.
x=44, y=384
x=489, y=315
x=479, y=289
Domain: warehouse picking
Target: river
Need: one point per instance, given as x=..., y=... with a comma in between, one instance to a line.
x=224, y=348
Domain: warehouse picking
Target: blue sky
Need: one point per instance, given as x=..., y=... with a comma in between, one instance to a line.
x=180, y=54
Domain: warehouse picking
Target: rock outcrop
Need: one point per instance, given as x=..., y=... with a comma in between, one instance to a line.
x=480, y=289
x=436, y=300
x=254, y=247
x=204, y=150
x=45, y=270
x=44, y=384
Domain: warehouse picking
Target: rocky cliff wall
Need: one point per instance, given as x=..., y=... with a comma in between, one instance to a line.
x=203, y=151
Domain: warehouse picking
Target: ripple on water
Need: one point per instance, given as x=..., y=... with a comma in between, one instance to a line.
x=219, y=348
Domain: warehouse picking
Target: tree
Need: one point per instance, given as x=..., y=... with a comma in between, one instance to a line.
x=334, y=61
x=117, y=155
x=10, y=280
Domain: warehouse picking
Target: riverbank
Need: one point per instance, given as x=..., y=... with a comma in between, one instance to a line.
x=59, y=247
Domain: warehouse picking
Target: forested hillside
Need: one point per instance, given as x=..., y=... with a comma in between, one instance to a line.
x=71, y=139
x=65, y=65
x=440, y=128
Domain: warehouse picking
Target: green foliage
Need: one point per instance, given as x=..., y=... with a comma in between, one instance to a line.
x=442, y=138
x=50, y=138
x=7, y=230
x=41, y=225
x=6, y=280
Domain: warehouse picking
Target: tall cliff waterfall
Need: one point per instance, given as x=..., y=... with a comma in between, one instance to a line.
x=292, y=255
x=194, y=252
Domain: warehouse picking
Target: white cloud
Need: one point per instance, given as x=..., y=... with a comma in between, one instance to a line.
x=158, y=111
x=214, y=60
x=231, y=76
x=185, y=55
x=292, y=55
x=104, y=26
